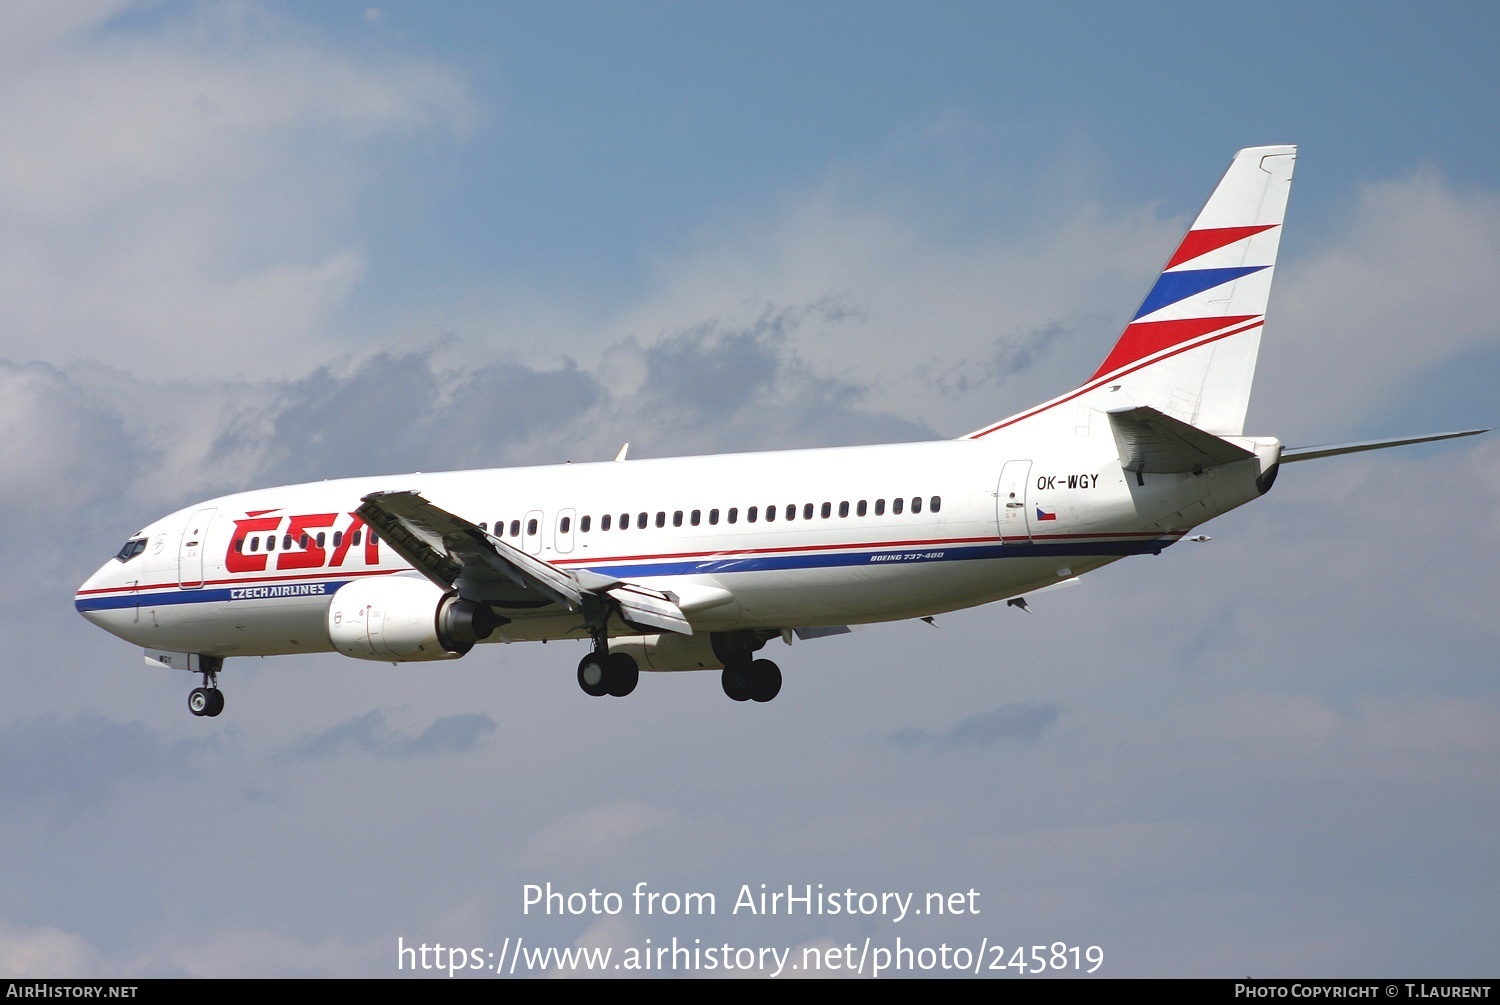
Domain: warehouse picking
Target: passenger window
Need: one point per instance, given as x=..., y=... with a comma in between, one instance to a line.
x=807, y=511
x=770, y=513
x=936, y=504
x=254, y=544
x=734, y=514
x=916, y=504
x=713, y=517
x=564, y=524
x=752, y=513
x=827, y=510
x=302, y=541
x=880, y=507
x=677, y=519
x=320, y=539
x=271, y=542
x=531, y=526
x=239, y=546
x=661, y=518
x=484, y=526
x=286, y=542
x=844, y=508
x=515, y=528
x=791, y=511
x=640, y=521
x=860, y=509
x=583, y=524
x=604, y=522
x=624, y=521
x=896, y=506
x=338, y=538
x=374, y=539
x=357, y=535
x=696, y=517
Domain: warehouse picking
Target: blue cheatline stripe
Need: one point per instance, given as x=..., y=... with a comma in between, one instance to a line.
x=1174, y=286
x=888, y=557
x=280, y=591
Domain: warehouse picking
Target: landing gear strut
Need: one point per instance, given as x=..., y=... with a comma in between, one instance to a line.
x=208, y=699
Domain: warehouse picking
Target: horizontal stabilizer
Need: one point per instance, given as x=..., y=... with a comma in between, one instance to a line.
x=1334, y=449
x=1152, y=442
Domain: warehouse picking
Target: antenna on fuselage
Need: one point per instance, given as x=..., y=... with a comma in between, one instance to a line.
x=623, y=451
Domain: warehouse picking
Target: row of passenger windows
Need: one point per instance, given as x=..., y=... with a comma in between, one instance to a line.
x=254, y=543
x=753, y=514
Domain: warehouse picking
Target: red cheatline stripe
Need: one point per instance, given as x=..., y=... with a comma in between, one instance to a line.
x=1200, y=242
x=740, y=553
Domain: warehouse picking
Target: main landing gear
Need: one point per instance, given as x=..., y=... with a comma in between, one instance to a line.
x=602, y=672
x=208, y=699
x=744, y=680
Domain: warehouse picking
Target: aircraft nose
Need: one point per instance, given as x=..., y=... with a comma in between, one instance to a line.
x=89, y=600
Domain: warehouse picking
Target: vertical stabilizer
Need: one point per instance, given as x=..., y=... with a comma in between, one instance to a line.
x=1190, y=349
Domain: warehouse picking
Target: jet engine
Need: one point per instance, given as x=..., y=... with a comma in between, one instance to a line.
x=399, y=618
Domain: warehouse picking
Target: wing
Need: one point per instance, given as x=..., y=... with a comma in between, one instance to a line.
x=456, y=554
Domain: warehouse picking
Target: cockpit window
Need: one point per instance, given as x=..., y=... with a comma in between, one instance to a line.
x=132, y=548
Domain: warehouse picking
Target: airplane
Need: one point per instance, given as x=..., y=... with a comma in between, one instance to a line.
x=696, y=563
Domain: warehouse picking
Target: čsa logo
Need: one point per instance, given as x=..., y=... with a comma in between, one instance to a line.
x=309, y=555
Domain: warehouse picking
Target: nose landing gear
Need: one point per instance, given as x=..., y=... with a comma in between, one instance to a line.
x=208, y=699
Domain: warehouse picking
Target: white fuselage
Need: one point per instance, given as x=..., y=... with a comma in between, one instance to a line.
x=764, y=541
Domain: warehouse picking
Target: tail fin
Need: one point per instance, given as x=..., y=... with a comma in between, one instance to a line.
x=1190, y=350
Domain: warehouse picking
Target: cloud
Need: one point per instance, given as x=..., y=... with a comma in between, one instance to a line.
x=80, y=760
x=1023, y=722
x=369, y=734
x=63, y=451
x=45, y=952
x=1407, y=285
x=178, y=196
x=594, y=835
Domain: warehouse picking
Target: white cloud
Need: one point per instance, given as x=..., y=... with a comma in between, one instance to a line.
x=45, y=952
x=593, y=835
x=1410, y=284
x=166, y=193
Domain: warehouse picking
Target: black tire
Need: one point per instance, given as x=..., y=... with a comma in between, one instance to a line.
x=620, y=674
x=199, y=701
x=215, y=701
x=591, y=676
x=736, y=681
x=765, y=680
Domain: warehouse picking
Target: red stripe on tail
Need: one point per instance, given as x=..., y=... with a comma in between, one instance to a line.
x=1198, y=243
x=1143, y=338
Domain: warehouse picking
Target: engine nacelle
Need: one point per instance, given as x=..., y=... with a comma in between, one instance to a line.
x=398, y=619
x=669, y=651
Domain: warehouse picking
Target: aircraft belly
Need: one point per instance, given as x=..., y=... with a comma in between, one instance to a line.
x=226, y=628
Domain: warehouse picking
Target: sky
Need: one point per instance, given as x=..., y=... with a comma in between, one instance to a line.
x=245, y=244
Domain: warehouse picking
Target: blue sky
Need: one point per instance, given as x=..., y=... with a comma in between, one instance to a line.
x=250, y=243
